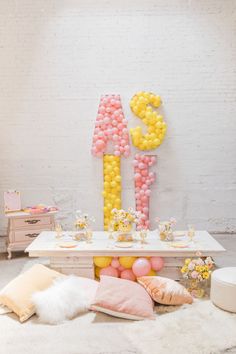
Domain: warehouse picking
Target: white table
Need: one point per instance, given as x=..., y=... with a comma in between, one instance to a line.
x=79, y=260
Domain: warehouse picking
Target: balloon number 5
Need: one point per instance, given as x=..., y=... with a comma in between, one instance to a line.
x=141, y=105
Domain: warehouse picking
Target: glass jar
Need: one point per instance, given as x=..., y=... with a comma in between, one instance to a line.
x=197, y=288
x=165, y=231
x=124, y=232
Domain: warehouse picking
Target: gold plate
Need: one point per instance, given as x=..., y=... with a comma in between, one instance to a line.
x=68, y=244
x=179, y=245
x=124, y=244
x=179, y=233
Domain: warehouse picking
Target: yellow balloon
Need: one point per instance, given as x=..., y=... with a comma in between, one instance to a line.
x=97, y=272
x=152, y=273
x=101, y=261
x=140, y=106
x=127, y=261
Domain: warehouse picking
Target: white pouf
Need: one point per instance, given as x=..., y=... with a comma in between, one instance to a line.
x=223, y=288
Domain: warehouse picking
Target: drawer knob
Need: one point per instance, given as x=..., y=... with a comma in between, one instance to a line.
x=32, y=235
x=34, y=221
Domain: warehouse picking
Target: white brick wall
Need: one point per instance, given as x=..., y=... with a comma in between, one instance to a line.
x=58, y=57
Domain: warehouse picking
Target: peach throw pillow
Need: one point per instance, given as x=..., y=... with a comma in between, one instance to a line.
x=165, y=291
x=17, y=294
x=123, y=298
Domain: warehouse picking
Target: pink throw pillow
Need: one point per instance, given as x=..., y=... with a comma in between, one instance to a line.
x=123, y=298
x=165, y=291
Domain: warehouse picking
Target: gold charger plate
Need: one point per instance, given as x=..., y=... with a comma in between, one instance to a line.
x=179, y=245
x=68, y=244
x=124, y=244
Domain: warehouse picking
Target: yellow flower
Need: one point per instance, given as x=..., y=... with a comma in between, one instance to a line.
x=184, y=269
x=187, y=261
x=205, y=275
x=198, y=268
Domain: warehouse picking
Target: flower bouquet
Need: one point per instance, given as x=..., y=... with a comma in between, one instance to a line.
x=166, y=229
x=82, y=223
x=122, y=221
x=196, y=272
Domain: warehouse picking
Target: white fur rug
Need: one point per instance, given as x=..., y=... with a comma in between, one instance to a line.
x=200, y=328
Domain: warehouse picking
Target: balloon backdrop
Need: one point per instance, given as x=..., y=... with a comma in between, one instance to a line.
x=112, y=186
x=156, y=127
x=111, y=125
x=127, y=267
x=143, y=180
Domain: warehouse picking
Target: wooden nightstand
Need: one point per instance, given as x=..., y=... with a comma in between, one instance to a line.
x=24, y=227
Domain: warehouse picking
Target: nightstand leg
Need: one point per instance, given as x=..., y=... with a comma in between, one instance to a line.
x=9, y=253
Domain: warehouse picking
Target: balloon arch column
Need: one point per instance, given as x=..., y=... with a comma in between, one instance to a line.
x=111, y=127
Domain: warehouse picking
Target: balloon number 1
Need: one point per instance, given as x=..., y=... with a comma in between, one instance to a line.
x=111, y=127
x=111, y=186
x=143, y=180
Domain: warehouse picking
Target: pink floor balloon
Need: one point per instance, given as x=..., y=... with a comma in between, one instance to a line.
x=128, y=275
x=110, y=271
x=141, y=267
x=115, y=263
x=143, y=180
x=157, y=263
x=111, y=125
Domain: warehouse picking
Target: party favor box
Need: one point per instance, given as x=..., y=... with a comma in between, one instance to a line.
x=12, y=201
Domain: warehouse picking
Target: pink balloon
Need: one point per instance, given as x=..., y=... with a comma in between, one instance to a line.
x=148, y=192
x=102, y=109
x=144, y=172
x=100, y=144
x=157, y=263
x=141, y=267
x=137, y=176
x=115, y=137
x=115, y=263
x=141, y=166
x=110, y=271
x=120, y=126
x=128, y=275
x=121, y=268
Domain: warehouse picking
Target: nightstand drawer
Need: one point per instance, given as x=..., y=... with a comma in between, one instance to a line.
x=28, y=235
x=32, y=221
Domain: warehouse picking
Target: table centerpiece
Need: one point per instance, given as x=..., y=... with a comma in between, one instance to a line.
x=123, y=223
x=166, y=229
x=82, y=226
x=196, y=273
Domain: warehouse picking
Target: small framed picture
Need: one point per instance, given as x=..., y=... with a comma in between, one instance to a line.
x=12, y=201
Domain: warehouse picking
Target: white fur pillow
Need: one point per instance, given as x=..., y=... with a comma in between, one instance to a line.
x=65, y=299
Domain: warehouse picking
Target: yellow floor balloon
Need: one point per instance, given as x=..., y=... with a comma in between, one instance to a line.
x=97, y=272
x=102, y=262
x=127, y=261
x=152, y=273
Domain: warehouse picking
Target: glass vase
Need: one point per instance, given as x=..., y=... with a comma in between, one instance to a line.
x=197, y=288
x=125, y=232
